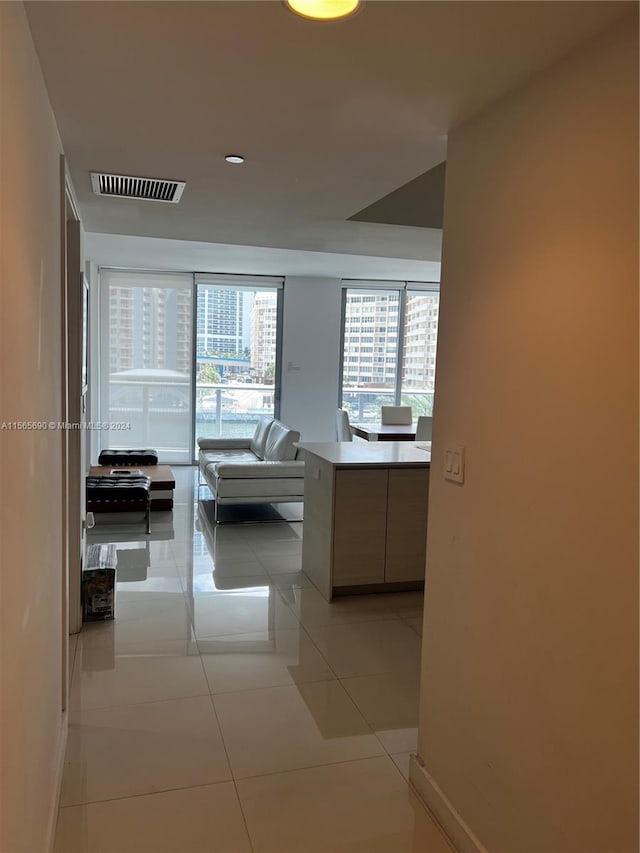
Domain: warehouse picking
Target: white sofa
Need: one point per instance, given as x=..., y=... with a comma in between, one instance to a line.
x=266, y=468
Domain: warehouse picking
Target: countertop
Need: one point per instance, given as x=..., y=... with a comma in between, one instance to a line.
x=356, y=454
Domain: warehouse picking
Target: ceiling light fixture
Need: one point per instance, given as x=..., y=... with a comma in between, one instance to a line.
x=323, y=10
x=234, y=158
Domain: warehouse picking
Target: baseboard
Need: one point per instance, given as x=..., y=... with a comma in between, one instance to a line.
x=460, y=836
x=52, y=819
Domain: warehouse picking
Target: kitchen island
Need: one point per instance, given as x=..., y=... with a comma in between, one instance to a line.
x=365, y=515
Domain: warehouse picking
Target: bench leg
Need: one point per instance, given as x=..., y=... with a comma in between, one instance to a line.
x=149, y=514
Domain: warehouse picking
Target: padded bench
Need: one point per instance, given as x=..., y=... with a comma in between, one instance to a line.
x=118, y=458
x=120, y=494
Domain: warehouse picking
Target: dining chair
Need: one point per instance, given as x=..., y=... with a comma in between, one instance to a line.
x=423, y=428
x=342, y=426
x=396, y=415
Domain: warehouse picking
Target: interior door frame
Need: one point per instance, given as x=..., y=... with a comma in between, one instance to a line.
x=74, y=408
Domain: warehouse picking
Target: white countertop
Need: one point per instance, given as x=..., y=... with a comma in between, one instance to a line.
x=356, y=454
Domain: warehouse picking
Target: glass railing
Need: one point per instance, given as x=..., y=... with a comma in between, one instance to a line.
x=157, y=413
x=231, y=410
x=363, y=404
x=155, y=409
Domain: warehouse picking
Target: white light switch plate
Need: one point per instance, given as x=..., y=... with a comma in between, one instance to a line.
x=454, y=463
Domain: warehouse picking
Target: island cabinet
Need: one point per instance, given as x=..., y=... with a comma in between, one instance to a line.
x=365, y=516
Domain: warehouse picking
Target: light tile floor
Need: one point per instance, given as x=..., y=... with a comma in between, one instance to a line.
x=229, y=707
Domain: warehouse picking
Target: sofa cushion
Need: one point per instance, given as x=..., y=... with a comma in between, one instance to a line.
x=259, y=440
x=260, y=488
x=258, y=470
x=280, y=445
x=208, y=457
x=223, y=443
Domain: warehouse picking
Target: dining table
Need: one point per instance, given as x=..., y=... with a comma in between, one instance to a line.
x=384, y=432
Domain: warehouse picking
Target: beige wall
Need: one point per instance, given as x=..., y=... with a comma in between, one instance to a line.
x=529, y=693
x=32, y=724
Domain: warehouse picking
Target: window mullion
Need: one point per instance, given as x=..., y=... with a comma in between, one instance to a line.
x=402, y=312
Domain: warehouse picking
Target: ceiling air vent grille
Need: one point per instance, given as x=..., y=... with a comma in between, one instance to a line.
x=124, y=186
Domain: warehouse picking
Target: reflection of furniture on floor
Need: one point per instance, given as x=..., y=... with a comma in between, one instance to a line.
x=384, y=432
x=217, y=539
x=162, y=482
x=365, y=526
x=120, y=529
x=112, y=493
x=133, y=563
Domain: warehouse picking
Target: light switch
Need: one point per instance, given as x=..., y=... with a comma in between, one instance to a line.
x=454, y=463
x=448, y=461
x=316, y=474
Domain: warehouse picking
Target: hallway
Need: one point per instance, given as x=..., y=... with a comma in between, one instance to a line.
x=230, y=708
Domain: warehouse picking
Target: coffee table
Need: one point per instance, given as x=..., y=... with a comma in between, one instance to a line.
x=162, y=481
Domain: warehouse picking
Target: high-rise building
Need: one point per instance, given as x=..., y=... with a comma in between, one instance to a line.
x=221, y=319
x=371, y=339
x=264, y=322
x=420, y=339
x=149, y=327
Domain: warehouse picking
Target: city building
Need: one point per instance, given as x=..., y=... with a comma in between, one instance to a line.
x=371, y=340
x=148, y=328
x=264, y=316
x=420, y=344
x=221, y=321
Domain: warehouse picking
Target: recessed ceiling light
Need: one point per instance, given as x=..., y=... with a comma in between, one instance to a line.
x=234, y=158
x=323, y=10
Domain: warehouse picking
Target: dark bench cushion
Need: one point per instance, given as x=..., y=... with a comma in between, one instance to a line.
x=100, y=489
x=128, y=457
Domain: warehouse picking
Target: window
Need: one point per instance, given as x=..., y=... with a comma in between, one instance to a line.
x=237, y=353
x=419, y=350
x=146, y=361
x=374, y=371
x=186, y=355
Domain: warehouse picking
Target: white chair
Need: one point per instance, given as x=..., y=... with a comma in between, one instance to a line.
x=423, y=428
x=342, y=426
x=396, y=415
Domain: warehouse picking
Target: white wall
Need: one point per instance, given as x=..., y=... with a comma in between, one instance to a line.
x=528, y=716
x=32, y=725
x=311, y=356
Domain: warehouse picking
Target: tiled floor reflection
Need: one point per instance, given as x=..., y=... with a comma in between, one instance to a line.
x=229, y=707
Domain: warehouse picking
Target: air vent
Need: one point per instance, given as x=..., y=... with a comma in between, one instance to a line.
x=124, y=186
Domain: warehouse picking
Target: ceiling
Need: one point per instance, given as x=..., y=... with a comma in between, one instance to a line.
x=333, y=119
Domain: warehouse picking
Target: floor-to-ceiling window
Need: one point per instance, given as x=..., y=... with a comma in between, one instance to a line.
x=146, y=361
x=237, y=353
x=389, y=336
x=184, y=355
x=420, y=335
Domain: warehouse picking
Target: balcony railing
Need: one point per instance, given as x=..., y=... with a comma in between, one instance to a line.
x=233, y=409
x=363, y=403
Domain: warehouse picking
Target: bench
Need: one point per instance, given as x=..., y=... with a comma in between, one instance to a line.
x=120, y=494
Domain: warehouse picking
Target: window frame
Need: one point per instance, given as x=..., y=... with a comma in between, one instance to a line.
x=232, y=281
x=403, y=288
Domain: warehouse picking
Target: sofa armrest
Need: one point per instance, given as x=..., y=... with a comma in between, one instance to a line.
x=224, y=443
x=254, y=470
